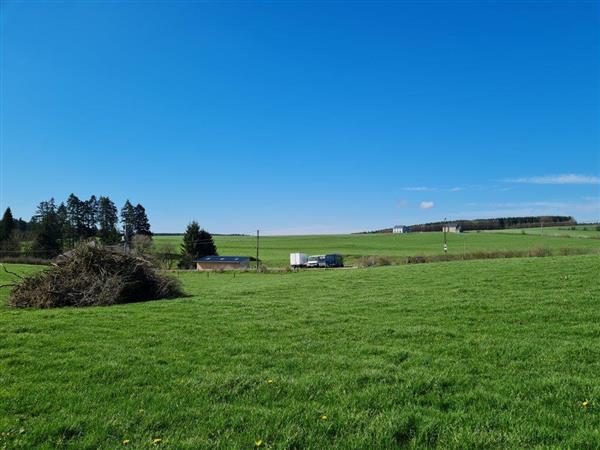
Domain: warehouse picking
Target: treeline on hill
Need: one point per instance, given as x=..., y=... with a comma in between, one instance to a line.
x=54, y=229
x=499, y=223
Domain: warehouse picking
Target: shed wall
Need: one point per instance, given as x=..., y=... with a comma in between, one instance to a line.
x=221, y=266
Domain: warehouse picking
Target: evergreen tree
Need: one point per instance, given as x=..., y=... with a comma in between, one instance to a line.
x=75, y=214
x=89, y=216
x=63, y=214
x=141, y=225
x=48, y=239
x=127, y=221
x=107, y=220
x=206, y=245
x=197, y=243
x=7, y=225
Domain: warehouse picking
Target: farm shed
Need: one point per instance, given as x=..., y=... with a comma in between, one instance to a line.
x=451, y=228
x=400, y=229
x=223, y=262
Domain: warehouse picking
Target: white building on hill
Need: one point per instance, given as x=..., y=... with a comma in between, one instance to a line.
x=451, y=228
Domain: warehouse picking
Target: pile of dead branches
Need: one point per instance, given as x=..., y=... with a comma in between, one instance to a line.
x=94, y=276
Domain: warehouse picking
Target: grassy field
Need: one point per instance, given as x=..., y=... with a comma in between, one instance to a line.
x=275, y=250
x=473, y=354
x=578, y=231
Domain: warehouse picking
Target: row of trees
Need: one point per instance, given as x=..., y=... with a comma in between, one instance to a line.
x=499, y=223
x=54, y=228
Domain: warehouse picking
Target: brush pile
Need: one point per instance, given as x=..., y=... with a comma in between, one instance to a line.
x=94, y=276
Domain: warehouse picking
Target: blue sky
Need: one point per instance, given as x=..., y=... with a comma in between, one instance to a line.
x=303, y=117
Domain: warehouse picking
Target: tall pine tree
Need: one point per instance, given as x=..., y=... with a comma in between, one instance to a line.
x=128, y=221
x=7, y=225
x=90, y=214
x=107, y=220
x=141, y=225
x=75, y=214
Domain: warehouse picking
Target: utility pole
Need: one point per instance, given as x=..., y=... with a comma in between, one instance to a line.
x=257, y=241
x=445, y=241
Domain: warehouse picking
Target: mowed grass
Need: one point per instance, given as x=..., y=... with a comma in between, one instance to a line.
x=469, y=354
x=275, y=250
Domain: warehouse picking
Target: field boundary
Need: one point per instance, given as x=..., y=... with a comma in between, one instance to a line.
x=368, y=261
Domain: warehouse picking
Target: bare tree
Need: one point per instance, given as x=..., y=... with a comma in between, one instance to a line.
x=142, y=243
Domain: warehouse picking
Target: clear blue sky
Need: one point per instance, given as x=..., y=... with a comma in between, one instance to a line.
x=303, y=117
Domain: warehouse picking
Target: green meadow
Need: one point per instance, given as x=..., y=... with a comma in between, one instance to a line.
x=275, y=250
x=455, y=355
x=577, y=231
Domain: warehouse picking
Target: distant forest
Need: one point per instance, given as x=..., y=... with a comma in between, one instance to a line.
x=499, y=223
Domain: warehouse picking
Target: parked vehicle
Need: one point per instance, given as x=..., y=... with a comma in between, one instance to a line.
x=313, y=261
x=298, y=259
x=329, y=260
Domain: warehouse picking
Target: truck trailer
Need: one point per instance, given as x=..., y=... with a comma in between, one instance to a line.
x=298, y=260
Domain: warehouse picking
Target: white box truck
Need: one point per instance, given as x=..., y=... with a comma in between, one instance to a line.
x=298, y=259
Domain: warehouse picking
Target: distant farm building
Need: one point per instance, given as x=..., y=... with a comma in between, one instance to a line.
x=398, y=229
x=223, y=262
x=451, y=228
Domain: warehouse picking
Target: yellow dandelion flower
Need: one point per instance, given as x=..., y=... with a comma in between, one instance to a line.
x=324, y=417
x=125, y=441
x=258, y=443
x=156, y=441
x=585, y=403
x=270, y=381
